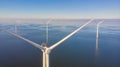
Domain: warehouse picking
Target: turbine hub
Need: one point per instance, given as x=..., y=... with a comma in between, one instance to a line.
x=47, y=51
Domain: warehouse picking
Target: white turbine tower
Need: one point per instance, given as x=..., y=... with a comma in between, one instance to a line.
x=15, y=27
x=98, y=24
x=97, y=37
x=46, y=50
x=47, y=30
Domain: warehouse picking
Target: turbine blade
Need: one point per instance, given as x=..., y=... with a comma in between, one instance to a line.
x=29, y=41
x=68, y=36
x=46, y=33
x=100, y=23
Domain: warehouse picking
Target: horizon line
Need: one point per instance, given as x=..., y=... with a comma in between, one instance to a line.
x=50, y=18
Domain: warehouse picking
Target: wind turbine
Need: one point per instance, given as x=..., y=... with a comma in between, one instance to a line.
x=97, y=35
x=47, y=30
x=15, y=27
x=46, y=50
x=98, y=24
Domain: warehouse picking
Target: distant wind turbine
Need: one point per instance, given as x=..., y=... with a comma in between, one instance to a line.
x=97, y=48
x=46, y=50
x=15, y=27
x=47, y=30
x=98, y=24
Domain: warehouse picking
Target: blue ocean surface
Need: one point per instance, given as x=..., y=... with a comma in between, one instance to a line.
x=77, y=51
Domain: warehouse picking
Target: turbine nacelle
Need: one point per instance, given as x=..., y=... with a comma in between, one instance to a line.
x=45, y=49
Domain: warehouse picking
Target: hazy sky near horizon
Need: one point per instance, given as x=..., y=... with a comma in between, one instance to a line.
x=59, y=8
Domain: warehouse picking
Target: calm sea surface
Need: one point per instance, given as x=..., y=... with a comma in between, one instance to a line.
x=77, y=51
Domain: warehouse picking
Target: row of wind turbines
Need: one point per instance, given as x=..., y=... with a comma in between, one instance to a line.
x=47, y=50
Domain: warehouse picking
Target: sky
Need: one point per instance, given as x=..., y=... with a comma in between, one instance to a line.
x=59, y=8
